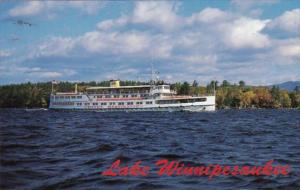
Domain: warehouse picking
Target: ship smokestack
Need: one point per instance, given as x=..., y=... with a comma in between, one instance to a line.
x=114, y=83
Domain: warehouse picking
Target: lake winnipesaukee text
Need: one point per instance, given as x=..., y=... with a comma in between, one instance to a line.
x=177, y=168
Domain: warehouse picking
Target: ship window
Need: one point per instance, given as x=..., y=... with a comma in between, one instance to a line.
x=112, y=103
x=148, y=102
x=139, y=103
x=125, y=96
x=103, y=103
x=121, y=103
x=79, y=97
x=129, y=103
x=116, y=96
x=99, y=96
x=134, y=95
x=200, y=99
x=167, y=101
x=73, y=97
x=79, y=104
x=107, y=96
x=95, y=104
x=87, y=104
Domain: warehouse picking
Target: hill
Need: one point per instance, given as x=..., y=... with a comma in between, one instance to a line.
x=289, y=85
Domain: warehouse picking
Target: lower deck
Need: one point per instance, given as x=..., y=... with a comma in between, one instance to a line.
x=192, y=108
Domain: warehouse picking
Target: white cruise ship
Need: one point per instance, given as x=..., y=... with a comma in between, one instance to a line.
x=130, y=98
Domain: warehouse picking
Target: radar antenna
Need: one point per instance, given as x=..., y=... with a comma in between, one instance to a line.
x=154, y=75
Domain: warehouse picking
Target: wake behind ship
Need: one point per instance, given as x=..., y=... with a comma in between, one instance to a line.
x=130, y=98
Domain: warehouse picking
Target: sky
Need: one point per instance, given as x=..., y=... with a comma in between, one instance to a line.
x=257, y=41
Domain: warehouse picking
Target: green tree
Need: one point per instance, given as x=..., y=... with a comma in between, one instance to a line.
x=211, y=87
x=275, y=92
x=242, y=84
x=295, y=99
x=284, y=99
x=233, y=97
x=247, y=99
x=185, y=89
x=225, y=83
x=220, y=98
x=195, y=83
x=263, y=98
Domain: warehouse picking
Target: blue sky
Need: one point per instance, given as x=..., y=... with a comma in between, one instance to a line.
x=254, y=41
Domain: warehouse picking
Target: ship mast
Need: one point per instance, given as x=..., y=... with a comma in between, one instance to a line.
x=152, y=75
x=51, y=87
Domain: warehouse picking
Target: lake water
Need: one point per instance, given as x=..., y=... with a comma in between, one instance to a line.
x=45, y=149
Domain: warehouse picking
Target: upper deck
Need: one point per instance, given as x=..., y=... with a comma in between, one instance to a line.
x=142, y=89
x=115, y=92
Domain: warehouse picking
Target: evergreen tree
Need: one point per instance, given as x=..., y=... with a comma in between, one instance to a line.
x=242, y=84
x=185, y=88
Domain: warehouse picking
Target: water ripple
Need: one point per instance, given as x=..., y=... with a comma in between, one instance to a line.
x=68, y=150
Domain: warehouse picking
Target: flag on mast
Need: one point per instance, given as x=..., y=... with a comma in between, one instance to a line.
x=55, y=82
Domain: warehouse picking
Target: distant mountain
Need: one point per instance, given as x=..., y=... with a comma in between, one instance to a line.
x=289, y=85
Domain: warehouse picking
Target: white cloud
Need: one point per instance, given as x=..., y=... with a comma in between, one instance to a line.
x=244, y=5
x=130, y=43
x=56, y=46
x=198, y=59
x=115, y=43
x=89, y=7
x=46, y=74
x=133, y=41
x=251, y=8
x=34, y=73
x=209, y=15
x=27, y=9
x=5, y=53
x=32, y=8
x=158, y=14
x=209, y=44
x=289, y=48
x=288, y=21
x=112, y=23
x=282, y=53
x=245, y=33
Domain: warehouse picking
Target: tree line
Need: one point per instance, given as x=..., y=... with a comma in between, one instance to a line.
x=33, y=95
